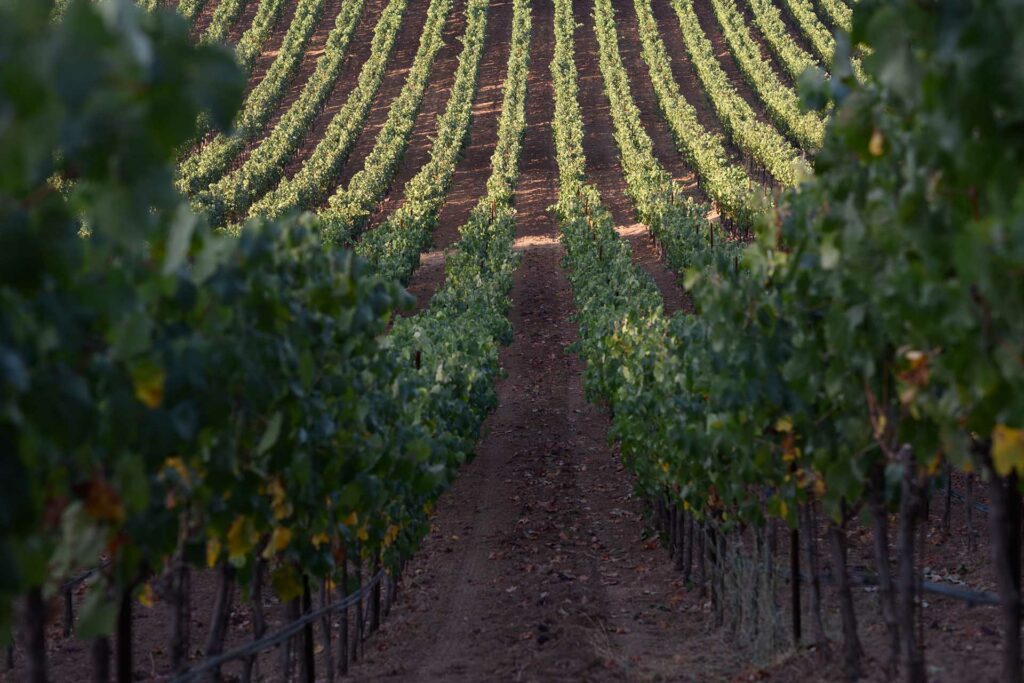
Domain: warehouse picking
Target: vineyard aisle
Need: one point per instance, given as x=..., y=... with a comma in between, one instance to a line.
x=536, y=568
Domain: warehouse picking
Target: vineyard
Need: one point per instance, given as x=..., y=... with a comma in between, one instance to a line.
x=511, y=340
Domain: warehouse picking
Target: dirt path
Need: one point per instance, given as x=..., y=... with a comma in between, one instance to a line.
x=311, y=55
x=646, y=101
x=470, y=180
x=435, y=100
x=603, y=168
x=535, y=568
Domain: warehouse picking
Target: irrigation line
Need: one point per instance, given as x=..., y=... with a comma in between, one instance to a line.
x=971, y=597
x=75, y=581
x=289, y=631
x=980, y=507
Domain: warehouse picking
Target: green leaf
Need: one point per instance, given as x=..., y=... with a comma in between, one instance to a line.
x=97, y=614
x=271, y=434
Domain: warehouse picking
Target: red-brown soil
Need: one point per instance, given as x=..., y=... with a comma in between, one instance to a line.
x=314, y=49
x=469, y=183
x=435, y=100
x=604, y=170
x=402, y=58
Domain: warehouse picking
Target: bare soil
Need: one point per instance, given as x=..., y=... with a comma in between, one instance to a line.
x=767, y=55
x=469, y=183
x=686, y=74
x=243, y=22
x=406, y=45
x=424, y=130
x=314, y=50
x=713, y=30
x=202, y=22
x=358, y=53
x=604, y=170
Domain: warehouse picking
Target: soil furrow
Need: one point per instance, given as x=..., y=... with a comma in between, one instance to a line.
x=204, y=19
x=271, y=46
x=358, y=53
x=713, y=30
x=685, y=74
x=767, y=55
x=314, y=49
x=469, y=183
x=243, y=21
x=421, y=139
x=604, y=169
x=793, y=29
x=647, y=102
x=398, y=69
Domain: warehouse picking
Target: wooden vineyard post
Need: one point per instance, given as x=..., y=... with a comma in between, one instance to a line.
x=35, y=641
x=794, y=583
x=1005, y=522
x=811, y=544
x=101, y=660
x=124, y=638
x=259, y=623
x=688, y=554
x=375, y=599
x=343, y=654
x=308, y=660
x=913, y=663
x=852, y=651
x=880, y=519
x=947, y=511
x=220, y=614
x=69, y=613
x=326, y=629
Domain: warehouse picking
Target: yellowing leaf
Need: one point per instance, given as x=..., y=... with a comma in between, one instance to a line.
x=877, y=144
x=351, y=520
x=280, y=537
x=286, y=583
x=178, y=465
x=362, y=534
x=242, y=538
x=819, y=486
x=213, y=548
x=391, y=535
x=784, y=424
x=148, y=381
x=281, y=506
x=1007, y=450
x=320, y=539
x=879, y=425
x=148, y=596
x=790, y=452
